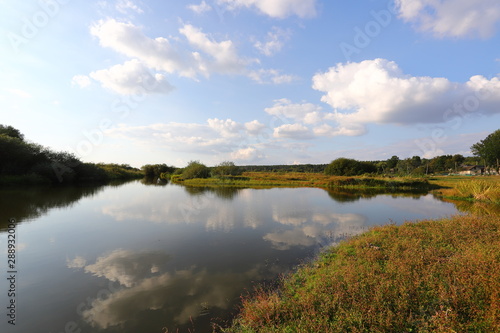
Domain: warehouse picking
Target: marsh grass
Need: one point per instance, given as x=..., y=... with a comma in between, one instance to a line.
x=430, y=276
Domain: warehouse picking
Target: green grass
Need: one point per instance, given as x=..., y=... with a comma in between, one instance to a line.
x=484, y=189
x=301, y=179
x=430, y=276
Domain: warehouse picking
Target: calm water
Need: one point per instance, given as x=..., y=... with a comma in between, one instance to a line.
x=142, y=258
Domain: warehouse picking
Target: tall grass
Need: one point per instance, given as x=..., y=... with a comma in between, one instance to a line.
x=431, y=276
x=479, y=190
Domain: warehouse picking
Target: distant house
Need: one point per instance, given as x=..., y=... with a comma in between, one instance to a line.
x=472, y=170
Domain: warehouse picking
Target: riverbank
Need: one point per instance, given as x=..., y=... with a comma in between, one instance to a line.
x=305, y=179
x=431, y=276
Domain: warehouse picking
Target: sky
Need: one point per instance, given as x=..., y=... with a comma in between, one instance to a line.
x=256, y=82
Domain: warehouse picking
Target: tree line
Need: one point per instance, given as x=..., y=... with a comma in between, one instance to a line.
x=28, y=162
x=22, y=161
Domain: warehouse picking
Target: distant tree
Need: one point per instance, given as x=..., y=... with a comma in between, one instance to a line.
x=488, y=149
x=349, y=167
x=155, y=170
x=195, y=170
x=11, y=131
x=392, y=162
x=225, y=169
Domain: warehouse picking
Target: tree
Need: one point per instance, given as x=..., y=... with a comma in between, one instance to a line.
x=195, y=170
x=226, y=169
x=392, y=162
x=349, y=167
x=12, y=132
x=488, y=149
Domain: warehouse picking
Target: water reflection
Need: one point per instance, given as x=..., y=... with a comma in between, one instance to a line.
x=178, y=256
x=344, y=195
x=30, y=203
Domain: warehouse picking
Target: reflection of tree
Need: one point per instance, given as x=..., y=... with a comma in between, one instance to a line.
x=223, y=192
x=29, y=203
x=154, y=181
x=348, y=195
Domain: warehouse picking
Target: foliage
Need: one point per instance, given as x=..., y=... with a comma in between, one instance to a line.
x=195, y=169
x=155, y=170
x=26, y=162
x=431, y=276
x=226, y=169
x=488, y=149
x=11, y=132
x=349, y=167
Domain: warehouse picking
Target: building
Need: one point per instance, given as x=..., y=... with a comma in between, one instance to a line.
x=472, y=170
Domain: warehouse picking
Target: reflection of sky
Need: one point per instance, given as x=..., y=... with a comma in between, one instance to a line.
x=174, y=254
x=149, y=286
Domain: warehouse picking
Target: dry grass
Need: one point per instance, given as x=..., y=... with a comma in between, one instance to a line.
x=484, y=189
x=431, y=276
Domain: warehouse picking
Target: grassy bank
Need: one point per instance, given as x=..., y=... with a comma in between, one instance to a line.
x=304, y=179
x=484, y=189
x=430, y=276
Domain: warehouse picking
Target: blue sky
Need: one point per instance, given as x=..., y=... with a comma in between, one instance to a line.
x=250, y=81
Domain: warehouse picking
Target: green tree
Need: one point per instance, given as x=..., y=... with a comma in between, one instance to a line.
x=195, y=170
x=349, y=167
x=488, y=149
x=11, y=131
x=226, y=169
x=392, y=162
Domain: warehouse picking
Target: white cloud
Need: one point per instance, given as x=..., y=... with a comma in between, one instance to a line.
x=81, y=81
x=124, y=5
x=452, y=18
x=216, y=136
x=224, y=54
x=247, y=154
x=276, y=8
x=254, y=127
x=293, y=131
x=132, y=77
x=157, y=53
x=203, y=7
x=377, y=91
x=274, y=76
x=307, y=113
x=274, y=42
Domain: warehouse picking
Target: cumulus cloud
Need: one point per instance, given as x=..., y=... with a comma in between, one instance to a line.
x=157, y=53
x=132, y=77
x=254, y=127
x=276, y=8
x=293, y=131
x=377, y=91
x=224, y=54
x=275, y=41
x=201, y=8
x=452, y=18
x=77, y=262
x=305, y=112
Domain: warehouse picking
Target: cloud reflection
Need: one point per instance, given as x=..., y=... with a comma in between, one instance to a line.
x=179, y=294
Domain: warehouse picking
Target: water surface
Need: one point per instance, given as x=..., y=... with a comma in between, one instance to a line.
x=142, y=258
